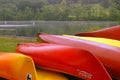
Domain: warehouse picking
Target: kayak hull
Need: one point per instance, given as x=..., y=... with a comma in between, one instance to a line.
x=14, y=66
x=111, y=42
x=108, y=55
x=112, y=33
x=49, y=75
x=65, y=59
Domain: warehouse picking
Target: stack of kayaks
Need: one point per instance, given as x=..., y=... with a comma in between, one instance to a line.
x=86, y=58
x=106, y=50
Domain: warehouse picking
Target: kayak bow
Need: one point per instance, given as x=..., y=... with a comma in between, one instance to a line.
x=111, y=32
x=65, y=59
x=15, y=66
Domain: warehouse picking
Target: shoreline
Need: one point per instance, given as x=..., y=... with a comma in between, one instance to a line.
x=19, y=37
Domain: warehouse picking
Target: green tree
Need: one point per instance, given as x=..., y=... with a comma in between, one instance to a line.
x=38, y=15
x=48, y=12
x=27, y=14
x=8, y=11
x=117, y=3
x=114, y=13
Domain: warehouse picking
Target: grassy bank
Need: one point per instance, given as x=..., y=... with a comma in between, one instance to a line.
x=9, y=44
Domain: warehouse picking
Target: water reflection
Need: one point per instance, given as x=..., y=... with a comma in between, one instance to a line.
x=31, y=28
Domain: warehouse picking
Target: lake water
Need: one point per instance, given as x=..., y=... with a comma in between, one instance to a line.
x=31, y=28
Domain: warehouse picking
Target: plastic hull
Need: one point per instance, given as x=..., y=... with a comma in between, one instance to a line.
x=49, y=75
x=14, y=66
x=65, y=59
x=111, y=42
x=112, y=33
x=108, y=55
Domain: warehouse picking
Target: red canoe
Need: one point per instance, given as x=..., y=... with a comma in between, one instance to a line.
x=108, y=55
x=112, y=33
x=66, y=59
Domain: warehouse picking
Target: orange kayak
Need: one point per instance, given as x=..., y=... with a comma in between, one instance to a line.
x=15, y=67
x=108, y=55
x=111, y=32
x=65, y=59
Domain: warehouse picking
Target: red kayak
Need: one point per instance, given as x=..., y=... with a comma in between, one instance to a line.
x=111, y=32
x=65, y=59
x=108, y=55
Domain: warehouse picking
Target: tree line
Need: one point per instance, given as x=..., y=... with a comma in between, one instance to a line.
x=58, y=10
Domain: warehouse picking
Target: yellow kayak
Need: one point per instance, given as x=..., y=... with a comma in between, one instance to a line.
x=107, y=41
x=49, y=75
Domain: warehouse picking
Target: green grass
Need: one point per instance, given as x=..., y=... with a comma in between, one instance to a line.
x=9, y=44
